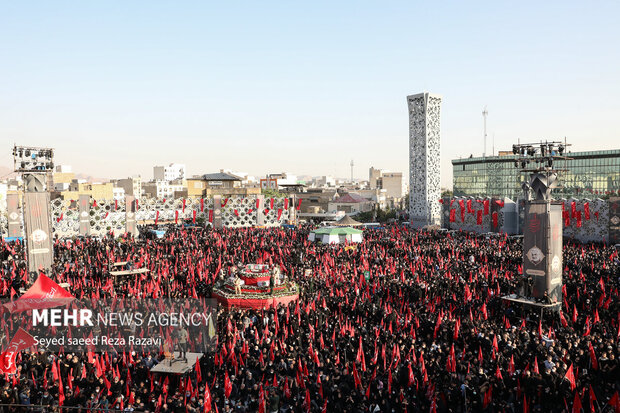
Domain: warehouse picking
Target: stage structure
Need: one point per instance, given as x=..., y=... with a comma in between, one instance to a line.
x=541, y=283
x=255, y=286
x=35, y=165
x=424, y=159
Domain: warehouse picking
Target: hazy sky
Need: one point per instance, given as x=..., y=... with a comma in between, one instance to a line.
x=119, y=86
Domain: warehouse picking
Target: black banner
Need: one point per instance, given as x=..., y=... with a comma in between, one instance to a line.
x=38, y=230
x=542, y=249
x=130, y=215
x=12, y=203
x=614, y=220
x=84, y=211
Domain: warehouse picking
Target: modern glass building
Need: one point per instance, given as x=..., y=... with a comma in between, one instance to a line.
x=589, y=175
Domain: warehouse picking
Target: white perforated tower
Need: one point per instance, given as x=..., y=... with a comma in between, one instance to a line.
x=424, y=159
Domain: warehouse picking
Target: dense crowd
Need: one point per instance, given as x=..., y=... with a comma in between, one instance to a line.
x=407, y=321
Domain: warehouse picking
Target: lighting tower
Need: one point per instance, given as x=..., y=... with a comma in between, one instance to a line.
x=541, y=284
x=484, y=115
x=36, y=165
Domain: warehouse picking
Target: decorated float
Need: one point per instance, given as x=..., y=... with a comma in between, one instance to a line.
x=251, y=287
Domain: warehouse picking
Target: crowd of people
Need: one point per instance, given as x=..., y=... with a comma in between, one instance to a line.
x=406, y=321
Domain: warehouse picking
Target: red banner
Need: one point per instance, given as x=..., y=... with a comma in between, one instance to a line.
x=494, y=217
x=586, y=210
x=44, y=293
x=479, y=217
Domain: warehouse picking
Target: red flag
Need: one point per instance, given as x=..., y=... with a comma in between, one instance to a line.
x=592, y=356
x=227, y=385
x=207, y=399
x=61, y=392
x=498, y=373
x=21, y=341
x=615, y=402
x=198, y=373
x=577, y=403
x=570, y=377
x=307, y=401
x=488, y=397
x=44, y=293
x=592, y=399
x=261, y=400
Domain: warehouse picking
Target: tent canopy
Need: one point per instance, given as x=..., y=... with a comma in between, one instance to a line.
x=337, y=235
x=347, y=221
x=337, y=231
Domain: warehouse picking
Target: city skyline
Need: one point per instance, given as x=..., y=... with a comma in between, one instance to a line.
x=117, y=89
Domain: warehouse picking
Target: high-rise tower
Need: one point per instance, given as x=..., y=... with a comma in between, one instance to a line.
x=424, y=159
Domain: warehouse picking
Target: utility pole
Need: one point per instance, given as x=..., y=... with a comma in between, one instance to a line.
x=484, y=115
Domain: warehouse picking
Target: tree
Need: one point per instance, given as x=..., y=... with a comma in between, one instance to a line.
x=446, y=193
x=272, y=193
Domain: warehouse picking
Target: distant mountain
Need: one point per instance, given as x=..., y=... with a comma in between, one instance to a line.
x=90, y=179
x=7, y=173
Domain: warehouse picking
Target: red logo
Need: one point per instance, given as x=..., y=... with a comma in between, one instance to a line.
x=534, y=223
